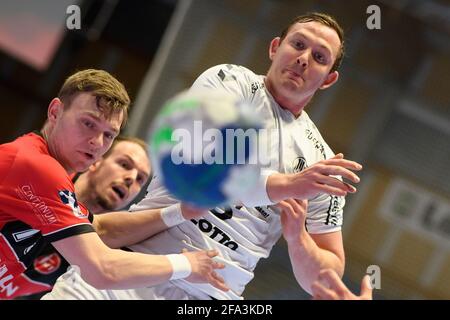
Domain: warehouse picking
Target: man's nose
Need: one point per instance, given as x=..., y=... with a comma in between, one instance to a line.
x=96, y=141
x=131, y=177
x=302, y=59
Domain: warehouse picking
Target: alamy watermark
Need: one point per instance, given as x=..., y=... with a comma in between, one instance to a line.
x=229, y=146
x=374, y=273
x=73, y=21
x=374, y=20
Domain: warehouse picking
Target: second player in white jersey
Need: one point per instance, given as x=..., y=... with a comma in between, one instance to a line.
x=245, y=234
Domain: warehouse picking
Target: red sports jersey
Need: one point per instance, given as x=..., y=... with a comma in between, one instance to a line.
x=37, y=206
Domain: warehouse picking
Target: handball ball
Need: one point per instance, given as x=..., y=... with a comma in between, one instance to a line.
x=203, y=146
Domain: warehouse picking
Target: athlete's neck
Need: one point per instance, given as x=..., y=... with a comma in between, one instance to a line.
x=285, y=103
x=46, y=133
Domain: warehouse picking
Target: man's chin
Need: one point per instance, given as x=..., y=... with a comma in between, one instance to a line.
x=106, y=205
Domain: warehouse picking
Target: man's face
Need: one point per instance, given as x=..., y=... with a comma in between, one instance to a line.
x=81, y=133
x=301, y=63
x=117, y=179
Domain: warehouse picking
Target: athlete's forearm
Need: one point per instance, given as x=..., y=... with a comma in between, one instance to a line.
x=308, y=259
x=119, y=229
x=278, y=187
x=115, y=269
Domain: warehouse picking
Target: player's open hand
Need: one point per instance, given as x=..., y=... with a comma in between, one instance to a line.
x=321, y=178
x=329, y=286
x=203, y=268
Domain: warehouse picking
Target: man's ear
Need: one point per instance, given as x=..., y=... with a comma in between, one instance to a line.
x=330, y=80
x=274, y=44
x=55, y=109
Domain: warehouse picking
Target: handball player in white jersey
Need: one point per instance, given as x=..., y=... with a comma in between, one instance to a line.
x=298, y=196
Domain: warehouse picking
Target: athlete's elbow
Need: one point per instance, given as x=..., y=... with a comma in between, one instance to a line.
x=101, y=276
x=98, y=280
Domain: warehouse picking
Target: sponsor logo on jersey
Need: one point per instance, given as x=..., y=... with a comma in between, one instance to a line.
x=47, y=264
x=298, y=164
x=38, y=206
x=317, y=144
x=28, y=249
x=256, y=85
x=68, y=198
x=265, y=214
x=333, y=209
x=222, y=213
x=215, y=232
x=6, y=285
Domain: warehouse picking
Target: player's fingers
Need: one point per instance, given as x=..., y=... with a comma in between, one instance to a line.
x=295, y=206
x=366, y=288
x=218, y=282
x=303, y=203
x=329, y=190
x=334, y=182
x=212, y=253
x=349, y=164
x=332, y=280
x=218, y=265
x=333, y=170
x=338, y=156
x=286, y=207
x=322, y=292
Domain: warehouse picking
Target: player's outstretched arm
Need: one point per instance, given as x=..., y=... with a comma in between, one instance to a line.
x=319, y=178
x=120, y=229
x=309, y=253
x=329, y=286
x=106, y=268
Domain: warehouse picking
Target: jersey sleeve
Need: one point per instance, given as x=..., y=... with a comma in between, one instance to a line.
x=228, y=77
x=325, y=212
x=39, y=192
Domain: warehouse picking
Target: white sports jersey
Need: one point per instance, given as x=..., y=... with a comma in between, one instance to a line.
x=243, y=235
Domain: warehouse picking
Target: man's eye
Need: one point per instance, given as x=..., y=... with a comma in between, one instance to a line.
x=320, y=58
x=299, y=44
x=109, y=136
x=88, y=124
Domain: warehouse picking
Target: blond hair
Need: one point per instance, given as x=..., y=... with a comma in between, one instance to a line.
x=111, y=95
x=121, y=138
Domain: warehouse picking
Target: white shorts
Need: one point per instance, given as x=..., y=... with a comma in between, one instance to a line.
x=70, y=286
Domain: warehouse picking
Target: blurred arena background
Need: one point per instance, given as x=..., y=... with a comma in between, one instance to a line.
x=390, y=110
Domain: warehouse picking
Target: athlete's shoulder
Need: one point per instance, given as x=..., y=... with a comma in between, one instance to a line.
x=33, y=162
x=230, y=72
x=232, y=78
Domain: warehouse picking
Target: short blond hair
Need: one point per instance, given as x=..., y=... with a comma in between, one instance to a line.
x=121, y=138
x=109, y=92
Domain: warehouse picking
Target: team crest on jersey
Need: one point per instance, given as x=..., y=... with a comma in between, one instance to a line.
x=47, y=264
x=298, y=164
x=68, y=198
